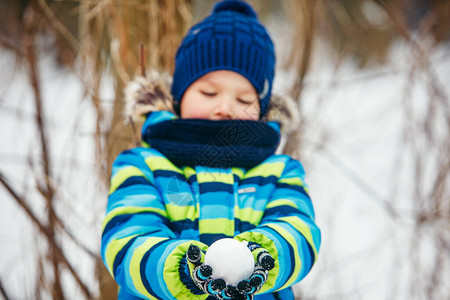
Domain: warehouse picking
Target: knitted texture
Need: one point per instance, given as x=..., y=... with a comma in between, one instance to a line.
x=185, y=277
x=231, y=38
x=220, y=144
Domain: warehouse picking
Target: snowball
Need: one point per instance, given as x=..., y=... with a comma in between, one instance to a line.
x=230, y=260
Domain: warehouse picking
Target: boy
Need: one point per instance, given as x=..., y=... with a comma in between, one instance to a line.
x=207, y=171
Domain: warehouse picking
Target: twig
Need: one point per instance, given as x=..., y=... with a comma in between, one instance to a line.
x=56, y=23
x=142, y=59
x=3, y=291
x=45, y=187
x=22, y=203
x=10, y=46
x=45, y=230
x=74, y=238
x=136, y=138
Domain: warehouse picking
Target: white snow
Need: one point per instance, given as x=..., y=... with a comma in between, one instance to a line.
x=353, y=150
x=230, y=260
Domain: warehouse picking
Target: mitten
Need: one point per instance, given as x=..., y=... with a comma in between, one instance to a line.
x=198, y=275
x=264, y=262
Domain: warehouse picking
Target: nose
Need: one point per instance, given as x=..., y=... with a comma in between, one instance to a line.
x=223, y=109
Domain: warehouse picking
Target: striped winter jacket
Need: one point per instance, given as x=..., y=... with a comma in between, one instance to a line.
x=156, y=210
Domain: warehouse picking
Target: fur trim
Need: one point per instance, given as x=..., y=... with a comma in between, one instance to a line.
x=147, y=94
x=151, y=93
x=284, y=111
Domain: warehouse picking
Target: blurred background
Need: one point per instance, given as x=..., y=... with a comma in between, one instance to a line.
x=369, y=77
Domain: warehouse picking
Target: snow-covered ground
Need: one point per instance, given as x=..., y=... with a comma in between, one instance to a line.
x=351, y=151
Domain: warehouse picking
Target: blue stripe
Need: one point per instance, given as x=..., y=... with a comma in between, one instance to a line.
x=242, y=226
x=134, y=195
x=169, y=174
x=260, y=180
x=192, y=179
x=308, y=260
x=283, y=210
x=117, y=220
x=298, y=188
x=212, y=210
x=286, y=294
x=129, y=158
x=236, y=178
x=190, y=234
x=138, y=180
x=120, y=256
x=285, y=244
x=304, y=250
x=207, y=187
x=143, y=265
x=180, y=226
x=209, y=238
x=128, y=152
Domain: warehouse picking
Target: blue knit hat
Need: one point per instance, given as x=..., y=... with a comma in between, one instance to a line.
x=231, y=38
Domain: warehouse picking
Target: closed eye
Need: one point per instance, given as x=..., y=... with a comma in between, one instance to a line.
x=208, y=94
x=245, y=101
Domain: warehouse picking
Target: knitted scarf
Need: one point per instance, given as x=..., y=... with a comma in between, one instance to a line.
x=219, y=144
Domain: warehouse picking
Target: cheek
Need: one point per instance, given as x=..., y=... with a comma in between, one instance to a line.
x=194, y=114
x=193, y=110
x=249, y=113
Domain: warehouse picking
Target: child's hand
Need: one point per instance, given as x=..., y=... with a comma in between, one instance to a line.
x=264, y=263
x=245, y=289
x=200, y=273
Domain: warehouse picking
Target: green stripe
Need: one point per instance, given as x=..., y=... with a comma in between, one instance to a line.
x=161, y=163
x=297, y=263
x=123, y=175
x=281, y=202
x=218, y=225
x=113, y=249
x=188, y=172
x=135, y=264
x=239, y=172
x=304, y=229
x=266, y=170
x=248, y=215
x=292, y=181
x=181, y=213
x=130, y=210
x=171, y=275
x=215, y=177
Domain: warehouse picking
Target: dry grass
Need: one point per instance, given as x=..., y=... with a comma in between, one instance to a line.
x=104, y=41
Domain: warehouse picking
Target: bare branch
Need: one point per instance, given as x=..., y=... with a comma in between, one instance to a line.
x=44, y=229
x=3, y=291
x=11, y=46
x=56, y=24
x=23, y=204
x=142, y=59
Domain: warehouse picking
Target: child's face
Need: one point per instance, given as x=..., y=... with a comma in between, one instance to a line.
x=220, y=95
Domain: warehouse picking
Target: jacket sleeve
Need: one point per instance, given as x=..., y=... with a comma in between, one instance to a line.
x=288, y=230
x=138, y=248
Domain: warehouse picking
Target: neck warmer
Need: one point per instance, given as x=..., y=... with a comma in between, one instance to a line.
x=219, y=144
